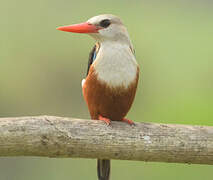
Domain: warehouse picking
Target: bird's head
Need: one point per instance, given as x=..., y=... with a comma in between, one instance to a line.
x=104, y=27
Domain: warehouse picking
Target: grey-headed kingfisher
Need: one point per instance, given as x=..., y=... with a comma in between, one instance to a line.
x=112, y=75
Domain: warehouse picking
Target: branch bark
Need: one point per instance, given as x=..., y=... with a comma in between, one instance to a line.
x=51, y=136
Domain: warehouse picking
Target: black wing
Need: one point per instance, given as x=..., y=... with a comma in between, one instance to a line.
x=92, y=56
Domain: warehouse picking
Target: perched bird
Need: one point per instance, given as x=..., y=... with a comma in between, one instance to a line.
x=112, y=75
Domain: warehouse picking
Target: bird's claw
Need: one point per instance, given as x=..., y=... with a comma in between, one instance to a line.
x=130, y=122
x=106, y=120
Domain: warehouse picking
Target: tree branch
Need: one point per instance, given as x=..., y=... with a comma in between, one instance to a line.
x=67, y=137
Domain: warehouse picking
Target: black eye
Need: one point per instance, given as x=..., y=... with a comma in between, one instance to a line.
x=105, y=23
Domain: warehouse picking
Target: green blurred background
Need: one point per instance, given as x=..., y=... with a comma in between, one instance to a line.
x=41, y=71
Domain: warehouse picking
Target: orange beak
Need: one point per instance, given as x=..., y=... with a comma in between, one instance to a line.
x=80, y=28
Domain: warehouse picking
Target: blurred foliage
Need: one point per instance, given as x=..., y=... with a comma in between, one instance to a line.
x=41, y=71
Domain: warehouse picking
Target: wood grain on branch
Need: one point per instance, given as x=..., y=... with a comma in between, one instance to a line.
x=51, y=136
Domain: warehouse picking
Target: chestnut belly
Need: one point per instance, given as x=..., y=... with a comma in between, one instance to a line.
x=113, y=103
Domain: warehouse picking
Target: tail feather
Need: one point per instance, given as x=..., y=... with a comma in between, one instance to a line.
x=103, y=167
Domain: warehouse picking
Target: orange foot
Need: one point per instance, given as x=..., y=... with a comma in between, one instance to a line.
x=130, y=122
x=106, y=120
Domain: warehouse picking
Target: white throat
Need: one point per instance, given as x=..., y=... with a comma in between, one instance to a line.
x=115, y=64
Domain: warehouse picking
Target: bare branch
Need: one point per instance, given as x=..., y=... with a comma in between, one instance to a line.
x=67, y=137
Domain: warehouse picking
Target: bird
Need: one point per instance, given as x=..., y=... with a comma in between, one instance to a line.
x=112, y=76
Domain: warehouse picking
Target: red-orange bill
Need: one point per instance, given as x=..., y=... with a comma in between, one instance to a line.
x=79, y=28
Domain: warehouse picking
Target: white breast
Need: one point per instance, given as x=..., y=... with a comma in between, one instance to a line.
x=115, y=64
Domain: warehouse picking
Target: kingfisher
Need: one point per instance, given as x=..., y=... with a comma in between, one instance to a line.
x=112, y=75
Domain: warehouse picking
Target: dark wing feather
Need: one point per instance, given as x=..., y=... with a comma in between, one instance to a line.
x=92, y=56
